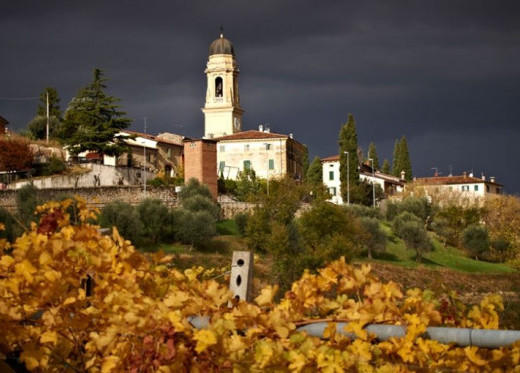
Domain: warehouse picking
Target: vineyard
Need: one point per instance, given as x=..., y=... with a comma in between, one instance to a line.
x=74, y=300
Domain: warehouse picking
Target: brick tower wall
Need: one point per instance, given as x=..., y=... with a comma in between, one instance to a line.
x=200, y=162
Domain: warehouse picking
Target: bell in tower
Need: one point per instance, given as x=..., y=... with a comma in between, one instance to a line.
x=222, y=111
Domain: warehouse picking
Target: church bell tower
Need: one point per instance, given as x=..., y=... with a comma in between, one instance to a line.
x=222, y=111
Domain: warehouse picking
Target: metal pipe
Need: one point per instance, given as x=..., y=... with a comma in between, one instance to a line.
x=483, y=338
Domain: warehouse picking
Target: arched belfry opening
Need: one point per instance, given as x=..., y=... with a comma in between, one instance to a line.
x=218, y=87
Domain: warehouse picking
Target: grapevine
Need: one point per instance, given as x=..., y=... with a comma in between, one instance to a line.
x=136, y=318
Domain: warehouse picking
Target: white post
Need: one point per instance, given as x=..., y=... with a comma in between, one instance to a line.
x=373, y=181
x=348, y=180
x=144, y=160
x=241, y=279
x=47, y=127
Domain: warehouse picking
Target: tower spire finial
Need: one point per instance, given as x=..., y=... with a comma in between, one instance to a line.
x=221, y=31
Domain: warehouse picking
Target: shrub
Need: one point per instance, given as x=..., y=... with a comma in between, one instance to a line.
x=375, y=238
x=411, y=230
x=200, y=202
x=475, y=239
x=54, y=166
x=26, y=202
x=364, y=211
x=444, y=231
x=241, y=222
x=194, y=187
x=125, y=218
x=153, y=214
x=194, y=228
x=7, y=219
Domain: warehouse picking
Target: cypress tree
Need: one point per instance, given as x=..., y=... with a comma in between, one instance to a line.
x=348, y=143
x=386, y=167
x=372, y=153
x=396, y=165
x=404, y=159
x=93, y=120
x=314, y=175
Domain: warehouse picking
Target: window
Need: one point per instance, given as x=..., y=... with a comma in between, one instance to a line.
x=169, y=152
x=271, y=164
x=267, y=146
x=246, y=147
x=331, y=175
x=218, y=87
x=221, y=166
x=476, y=188
x=222, y=148
x=332, y=191
x=247, y=165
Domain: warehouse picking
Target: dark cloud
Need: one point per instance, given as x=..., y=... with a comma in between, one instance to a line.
x=444, y=73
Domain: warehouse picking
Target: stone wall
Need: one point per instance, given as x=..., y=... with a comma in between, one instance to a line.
x=97, y=197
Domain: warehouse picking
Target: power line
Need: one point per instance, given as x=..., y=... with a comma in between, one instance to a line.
x=18, y=98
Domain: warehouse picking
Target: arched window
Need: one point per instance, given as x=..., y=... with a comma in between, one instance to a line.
x=218, y=87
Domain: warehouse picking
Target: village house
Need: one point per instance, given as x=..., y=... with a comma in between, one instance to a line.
x=331, y=179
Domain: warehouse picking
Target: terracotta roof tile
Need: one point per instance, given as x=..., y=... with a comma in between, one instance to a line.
x=447, y=180
x=252, y=135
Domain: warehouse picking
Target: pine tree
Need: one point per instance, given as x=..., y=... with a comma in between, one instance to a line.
x=386, y=167
x=93, y=120
x=38, y=125
x=404, y=159
x=373, y=154
x=396, y=166
x=348, y=143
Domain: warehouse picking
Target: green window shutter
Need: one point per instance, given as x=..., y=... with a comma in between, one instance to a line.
x=247, y=165
x=331, y=175
x=271, y=164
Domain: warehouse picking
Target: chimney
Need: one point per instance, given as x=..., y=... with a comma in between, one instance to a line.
x=471, y=174
x=492, y=179
x=403, y=174
x=464, y=174
x=290, y=135
x=483, y=177
x=267, y=130
x=261, y=128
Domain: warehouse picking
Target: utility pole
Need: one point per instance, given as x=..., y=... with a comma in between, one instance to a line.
x=144, y=160
x=47, y=128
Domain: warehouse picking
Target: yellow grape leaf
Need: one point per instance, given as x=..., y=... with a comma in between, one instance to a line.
x=236, y=343
x=49, y=336
x=471, y=353
x=6, y=261
x=45, y=258
x=205, y=338
x=218, y=296
x=266, y=295
x=2, y=227
x=26, y=269
x=109, y=363
x=329, y=274
x=69, y=300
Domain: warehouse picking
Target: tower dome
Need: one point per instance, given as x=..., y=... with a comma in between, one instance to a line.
x=221, y=46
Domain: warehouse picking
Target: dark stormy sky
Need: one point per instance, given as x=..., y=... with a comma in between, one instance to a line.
x=444, y=73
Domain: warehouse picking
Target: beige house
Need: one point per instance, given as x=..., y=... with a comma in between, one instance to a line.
x=164, y=152
x=270, y=155
x=464, y=189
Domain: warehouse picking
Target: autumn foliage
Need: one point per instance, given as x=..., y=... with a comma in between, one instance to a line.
x=15, y=154
x=136, y=318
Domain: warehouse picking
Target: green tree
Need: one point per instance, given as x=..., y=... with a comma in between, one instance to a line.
x=348, y=144
x=375, y=240
x=26, y=202
x=475, y=238
x=396, y=165
x=153, y=215
x=314, y=175
x=386, y=167
x=247, y=185
x=410, y=229
x=372, y=153
x=37, y=127
x=125, y=218
x=194, y=188
x=404, y=159
x=93, y=120
x=305, y=162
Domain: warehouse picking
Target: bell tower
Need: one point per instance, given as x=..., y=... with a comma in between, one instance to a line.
x=222, y=111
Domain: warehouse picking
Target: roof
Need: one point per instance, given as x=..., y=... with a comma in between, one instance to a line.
x=159, y=138
x=332, y=158
x=221, y=46
x=252, y=135
x=450, y=180
x=3, y=120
